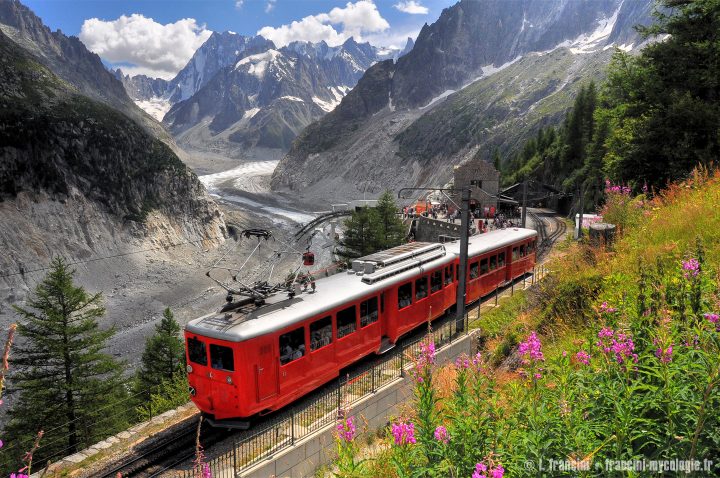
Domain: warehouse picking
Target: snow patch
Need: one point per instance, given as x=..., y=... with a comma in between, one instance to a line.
x=292, y=98
x=156, y=107
x=250, y=113
x=258, y=63
x=326, y=106
x=625, y=47
x=588, y=43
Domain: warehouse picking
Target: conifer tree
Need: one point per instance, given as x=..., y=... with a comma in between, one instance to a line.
x=67, y=385
x=390, y=229
x=164, y=354
x=360, y=235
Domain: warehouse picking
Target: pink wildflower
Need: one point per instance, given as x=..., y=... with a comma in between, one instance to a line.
x=441, y=434
x=346, y=429
x=404, y=433
x=206, y=471
x=665, y=356
x=531, y=349
x=712, y=318
x=621, y=345
x=424, y=360
x=583, y=357
x=606, y=309
x=462, y=362
x=691, y=268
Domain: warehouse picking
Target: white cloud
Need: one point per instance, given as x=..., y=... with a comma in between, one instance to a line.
x=354, y=20
x=412, y=7
x=239, y=4
x=269, y=6
x=393, y=38
x=156, y=50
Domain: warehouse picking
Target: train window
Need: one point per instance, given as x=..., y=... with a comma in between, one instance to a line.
x=368, y=311
x=292, y=345
x=493, y=263
x=515, y=253
x=196, y=351
x=404, y=295
x=522, y=250
x=436, y=281
x=346, y=322
x=501, y=259
x=221, y=358
x=320, y=333
x=474, y=271
x=421, y=288
x=484, y=266
x=448, y=275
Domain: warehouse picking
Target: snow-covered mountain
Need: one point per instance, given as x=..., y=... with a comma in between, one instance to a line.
x=483, y=77
x=238, y=93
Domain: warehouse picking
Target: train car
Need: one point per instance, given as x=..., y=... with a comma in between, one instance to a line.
x=256, y=357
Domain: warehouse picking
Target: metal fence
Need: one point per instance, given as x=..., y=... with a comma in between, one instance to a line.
x=318, y=412
x=323, y=410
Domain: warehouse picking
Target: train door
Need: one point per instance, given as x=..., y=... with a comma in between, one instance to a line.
x=223, y=379
x=348, y=337
x=198, y=373
x=294, y=361
x=266, y=372
x=322, y=350
x=437, y=297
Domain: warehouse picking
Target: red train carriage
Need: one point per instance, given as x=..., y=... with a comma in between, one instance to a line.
x=254, y=359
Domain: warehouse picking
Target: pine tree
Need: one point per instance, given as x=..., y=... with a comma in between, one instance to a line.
x=390, y=229
x=164, y=354
x=360, y=235
x=67, y=385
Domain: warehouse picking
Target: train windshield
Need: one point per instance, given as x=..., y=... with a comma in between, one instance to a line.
x=221, y=358
x=196, y=351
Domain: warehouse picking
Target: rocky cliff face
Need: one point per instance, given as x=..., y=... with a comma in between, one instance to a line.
x=475, y=80
x=68, y=58
x=78, y=177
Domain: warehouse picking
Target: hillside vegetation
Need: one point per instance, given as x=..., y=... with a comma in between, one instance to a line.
x=615, y=357
x=654, y=118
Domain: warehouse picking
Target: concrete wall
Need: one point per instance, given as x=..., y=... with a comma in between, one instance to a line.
x=429, y=229
x=308, y=454
x=477, y=169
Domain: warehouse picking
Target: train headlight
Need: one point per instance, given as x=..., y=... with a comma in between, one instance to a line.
x=228, y=379
x=189, y=368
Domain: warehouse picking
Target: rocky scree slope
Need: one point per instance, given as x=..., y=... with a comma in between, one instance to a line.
x=79, y=179
x=482, y=77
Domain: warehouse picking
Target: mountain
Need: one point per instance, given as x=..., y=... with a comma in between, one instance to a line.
x=67, y=57
x=484, y=76
x=79, y=178
x=267, y=96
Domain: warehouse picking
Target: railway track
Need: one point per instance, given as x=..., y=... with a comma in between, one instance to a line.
x=550, y=229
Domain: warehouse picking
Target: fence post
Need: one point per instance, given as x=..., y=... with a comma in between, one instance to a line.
x=292, y=426
x=496, y=295
x=402, y=363
x=524, y=277
x=512, y=288
x=338, y=395
x=234, y=455
x=532, y=282
x=373, y=376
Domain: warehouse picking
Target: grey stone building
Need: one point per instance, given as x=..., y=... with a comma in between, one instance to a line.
x=481, y=178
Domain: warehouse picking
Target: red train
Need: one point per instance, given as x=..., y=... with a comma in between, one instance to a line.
x=255, y=359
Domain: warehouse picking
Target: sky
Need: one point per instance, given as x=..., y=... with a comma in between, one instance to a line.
x=158, y=37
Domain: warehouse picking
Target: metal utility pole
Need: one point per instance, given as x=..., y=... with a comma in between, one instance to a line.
x=582, y=208
x=464, y=239
x=524, y=203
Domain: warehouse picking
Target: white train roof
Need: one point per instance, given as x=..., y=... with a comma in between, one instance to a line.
x=394, y=266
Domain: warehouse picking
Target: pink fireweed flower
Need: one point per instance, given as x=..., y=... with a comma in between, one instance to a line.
x=462, y=362
x=480, y=469
x=606, y=309
x=441, y=434
x=206, y=472
x=712, y=318
x=404, y=433
x=497, y=472
x=665, y=355
x=621, y=346
x=346, y=429
x=425, y=358
x=691, y=268
x=583, y=357
x=531, y=349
